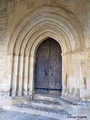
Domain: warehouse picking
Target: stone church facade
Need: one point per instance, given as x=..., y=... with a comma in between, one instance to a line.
x=24, y=26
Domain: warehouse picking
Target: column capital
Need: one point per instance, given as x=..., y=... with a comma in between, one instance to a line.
x=15, y=54
x=33, y=56
x=10, y=54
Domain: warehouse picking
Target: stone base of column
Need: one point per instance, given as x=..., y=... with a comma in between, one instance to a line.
x=20, y=94
x=31, y=93
x=25, y=93
x=13, y=94
x=7, y=101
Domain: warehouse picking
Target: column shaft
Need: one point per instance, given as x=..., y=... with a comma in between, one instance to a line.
x=20, y=80
x=26, y=71
x=15, y=75
x=31, y=78
x=9, y=72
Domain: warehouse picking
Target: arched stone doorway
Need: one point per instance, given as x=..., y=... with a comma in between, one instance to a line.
x=32, y=30
x=48, y=68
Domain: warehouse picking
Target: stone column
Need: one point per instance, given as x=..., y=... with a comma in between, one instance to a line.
x=9, y=72
x=31, y=78
x=64, y=83
x=26, y=71
x=20, y=79
x=15, y=75
x=83, y=80
x=64, y=77
x=78, y=78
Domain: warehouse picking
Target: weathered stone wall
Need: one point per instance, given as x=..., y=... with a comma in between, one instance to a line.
x=3, y=25
x=75, y=64
x=80, y=8
x=76, y=79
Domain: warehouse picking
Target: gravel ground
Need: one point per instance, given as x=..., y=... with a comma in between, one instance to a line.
x=11, y=115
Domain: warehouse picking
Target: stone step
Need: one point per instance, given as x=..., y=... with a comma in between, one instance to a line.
x=46, y=97
x=45, y=104
x=25, y=108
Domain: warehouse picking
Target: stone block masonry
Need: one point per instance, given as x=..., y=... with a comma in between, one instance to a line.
x=3, y=24
x=25, y=24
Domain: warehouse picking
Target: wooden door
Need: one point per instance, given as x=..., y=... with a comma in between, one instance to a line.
x=48, y=68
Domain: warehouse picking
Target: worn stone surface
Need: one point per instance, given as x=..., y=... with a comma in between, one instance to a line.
x=12, y=115
x=24, y=25
x=25, y=40
x=50, y=108
x=3, y=26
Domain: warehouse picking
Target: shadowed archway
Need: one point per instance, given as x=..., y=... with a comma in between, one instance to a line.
x=32, y=30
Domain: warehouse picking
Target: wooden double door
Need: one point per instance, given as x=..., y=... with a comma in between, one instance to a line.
x=48, y=68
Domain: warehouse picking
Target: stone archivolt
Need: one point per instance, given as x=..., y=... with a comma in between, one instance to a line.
x=66, y=23
x=33, y=29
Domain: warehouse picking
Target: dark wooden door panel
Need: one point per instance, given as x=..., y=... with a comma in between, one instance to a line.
x=48, y=69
